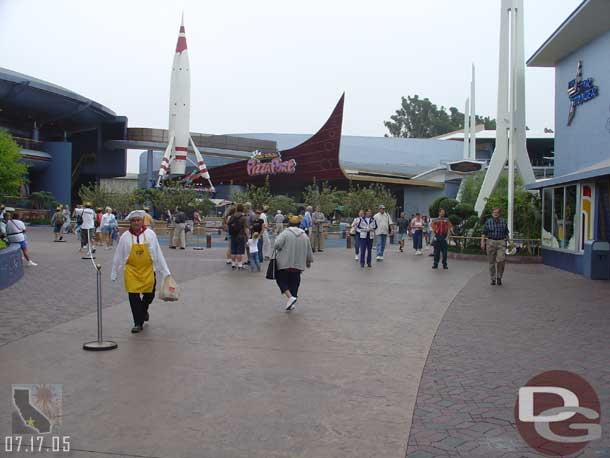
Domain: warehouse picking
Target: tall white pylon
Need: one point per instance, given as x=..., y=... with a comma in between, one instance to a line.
x=467, y=129
x=472, y=153
x=510, y=120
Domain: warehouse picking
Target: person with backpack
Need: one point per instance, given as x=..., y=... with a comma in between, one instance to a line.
x=227, y=218
x=57, y=221
x=239, y=232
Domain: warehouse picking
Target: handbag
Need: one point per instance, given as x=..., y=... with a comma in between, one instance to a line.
x=272, y=268
x=169, y=291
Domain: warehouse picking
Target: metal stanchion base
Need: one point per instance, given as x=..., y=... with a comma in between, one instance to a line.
x=100, y=346
x=197, y=248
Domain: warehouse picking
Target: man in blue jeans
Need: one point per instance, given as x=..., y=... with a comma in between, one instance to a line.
x=384, y=228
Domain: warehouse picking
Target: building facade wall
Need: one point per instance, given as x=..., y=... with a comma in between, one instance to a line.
x=419, y=199
x=57, y=177
x=587, y=140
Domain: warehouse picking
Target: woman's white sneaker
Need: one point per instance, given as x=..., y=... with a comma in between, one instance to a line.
x=290, y=303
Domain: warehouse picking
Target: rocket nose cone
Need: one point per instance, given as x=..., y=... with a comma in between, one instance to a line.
x=181, y=45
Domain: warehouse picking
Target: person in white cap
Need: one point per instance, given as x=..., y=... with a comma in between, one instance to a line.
x=139, y=253
x=384, y=228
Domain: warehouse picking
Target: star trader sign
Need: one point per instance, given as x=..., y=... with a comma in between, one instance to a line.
x=580, y=91
x=270, y=164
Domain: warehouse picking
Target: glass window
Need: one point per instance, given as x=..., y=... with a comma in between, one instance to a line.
x=558, y=223
x=570, y=218
x=547, y=223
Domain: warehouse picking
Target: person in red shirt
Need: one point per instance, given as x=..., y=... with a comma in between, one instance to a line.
x=441, y=228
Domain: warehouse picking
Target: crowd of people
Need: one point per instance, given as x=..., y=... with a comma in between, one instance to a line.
x=252, y=236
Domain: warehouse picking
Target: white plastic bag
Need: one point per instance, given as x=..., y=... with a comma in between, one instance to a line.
x=169, y=291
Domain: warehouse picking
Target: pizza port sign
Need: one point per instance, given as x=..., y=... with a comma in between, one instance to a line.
x=270, y=164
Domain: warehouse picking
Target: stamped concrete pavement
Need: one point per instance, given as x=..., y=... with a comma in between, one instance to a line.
x=225, y=372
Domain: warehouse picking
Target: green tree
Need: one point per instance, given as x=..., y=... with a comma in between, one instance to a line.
x=284, y=203
x=13, y=171
x=43, y=200
x=327, y=197
x=365, y=197
x=258, y=196
x=420, y=118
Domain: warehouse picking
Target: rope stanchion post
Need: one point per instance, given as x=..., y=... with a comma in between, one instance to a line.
x=198, y=229
x=100, y=344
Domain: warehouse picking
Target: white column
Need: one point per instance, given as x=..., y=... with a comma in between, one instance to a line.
x=466, y=129
x=473, y=120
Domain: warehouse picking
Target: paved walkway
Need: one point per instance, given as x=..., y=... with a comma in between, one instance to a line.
x=225, y=372
x=491, y=342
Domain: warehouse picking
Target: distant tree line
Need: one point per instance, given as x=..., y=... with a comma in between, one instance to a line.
x=420, y=118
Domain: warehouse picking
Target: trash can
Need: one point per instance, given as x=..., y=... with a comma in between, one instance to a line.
x=597, y=260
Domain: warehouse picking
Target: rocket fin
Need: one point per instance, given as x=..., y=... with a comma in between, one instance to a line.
x=203, y=170
x=163, y=169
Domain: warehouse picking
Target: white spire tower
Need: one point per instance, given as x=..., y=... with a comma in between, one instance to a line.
x=472, y=154
x=467, y=129
x=510, y=120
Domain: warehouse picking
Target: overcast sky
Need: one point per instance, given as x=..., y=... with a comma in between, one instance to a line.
x=276, y=65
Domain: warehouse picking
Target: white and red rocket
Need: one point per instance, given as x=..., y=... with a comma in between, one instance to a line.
x=175, y=155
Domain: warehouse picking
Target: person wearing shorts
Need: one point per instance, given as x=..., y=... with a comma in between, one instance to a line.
x=239, y=232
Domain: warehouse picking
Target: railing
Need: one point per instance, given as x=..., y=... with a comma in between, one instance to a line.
x=28, y=143
x=532, y=246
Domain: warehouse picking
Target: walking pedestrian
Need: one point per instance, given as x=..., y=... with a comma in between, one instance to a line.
x=417, y=230
x=179, y=229
x=77, y=217
x=87, y=228
x=441, y=228
x=426, y=231
x=356, y=234
x=494, y=237
x=306, y=221
x=266, y=235
x=67, y=228
x=15, y=233
x=366, y=228
x=317, y=230
x=239, y=231
x=384, y=228
x=148, y=220
x=98, y=226
x=57, y=221
x=139, y=253
x=403, y=227
x=278, y=219
x=258, y=225
x=293, y=254
x=108, y=224
x=254, y=253
x=227, y=218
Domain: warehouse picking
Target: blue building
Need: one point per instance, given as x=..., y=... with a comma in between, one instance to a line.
x=63, y=135
x=576, y=201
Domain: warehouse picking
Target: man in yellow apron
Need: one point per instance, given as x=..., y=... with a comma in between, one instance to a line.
x=140, y=255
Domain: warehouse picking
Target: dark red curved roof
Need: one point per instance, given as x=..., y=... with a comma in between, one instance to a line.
x=317, y=157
